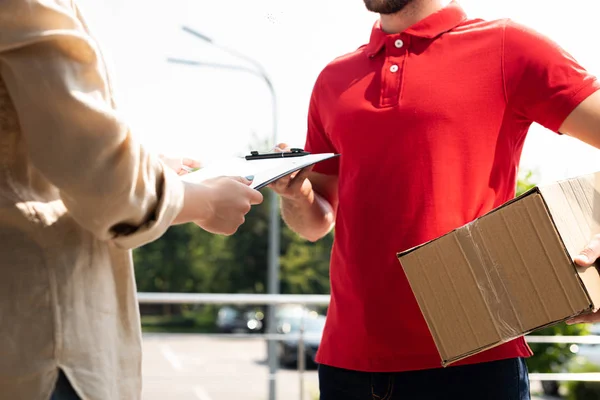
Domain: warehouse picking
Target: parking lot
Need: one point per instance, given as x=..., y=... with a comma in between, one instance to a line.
x=199, y=367
x=196, y=367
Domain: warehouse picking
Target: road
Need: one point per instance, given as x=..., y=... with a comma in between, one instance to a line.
x=198, y=367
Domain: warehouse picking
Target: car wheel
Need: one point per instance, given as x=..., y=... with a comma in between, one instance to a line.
x=550, y=388
x=280, y=353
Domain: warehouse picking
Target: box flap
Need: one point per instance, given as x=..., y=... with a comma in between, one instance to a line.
x=491, y=281
x=574, y=205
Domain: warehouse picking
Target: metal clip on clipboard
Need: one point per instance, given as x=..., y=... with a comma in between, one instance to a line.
x=255, y=155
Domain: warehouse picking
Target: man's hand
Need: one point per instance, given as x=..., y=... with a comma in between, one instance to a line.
x=586, y=258
x=308, y=200
x=295, y=185
x=218, y=205
x=180, y=165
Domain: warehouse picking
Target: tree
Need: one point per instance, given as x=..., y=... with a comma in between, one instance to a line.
x=189, y=259
x=304, y=265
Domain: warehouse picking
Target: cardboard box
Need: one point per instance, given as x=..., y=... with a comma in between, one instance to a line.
x=509, y=272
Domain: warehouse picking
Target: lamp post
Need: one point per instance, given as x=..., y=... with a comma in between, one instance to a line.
x=274, y=226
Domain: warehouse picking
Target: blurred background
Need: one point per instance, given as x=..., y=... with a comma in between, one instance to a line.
x=239, y=78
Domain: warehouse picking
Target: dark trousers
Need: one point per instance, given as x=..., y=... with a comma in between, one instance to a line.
x=63, y=389
x=497, y=380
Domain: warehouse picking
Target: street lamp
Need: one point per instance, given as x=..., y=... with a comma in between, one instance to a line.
x=274, y=227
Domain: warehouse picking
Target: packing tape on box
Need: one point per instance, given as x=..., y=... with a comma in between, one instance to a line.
x=487, y=274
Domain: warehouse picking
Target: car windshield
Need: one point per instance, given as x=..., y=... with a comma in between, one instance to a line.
x=314, y=324
x=227, y=312
x=311, y=324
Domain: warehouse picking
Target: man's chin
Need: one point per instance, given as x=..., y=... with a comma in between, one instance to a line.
x=386, y=6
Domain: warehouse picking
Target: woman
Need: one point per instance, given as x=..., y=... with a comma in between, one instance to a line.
x=77, y=193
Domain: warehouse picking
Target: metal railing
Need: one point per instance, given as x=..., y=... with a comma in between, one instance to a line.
x=218, y=298
x=250, y=299
x=323, y=300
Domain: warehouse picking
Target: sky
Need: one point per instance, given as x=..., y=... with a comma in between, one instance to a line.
x=210, y=113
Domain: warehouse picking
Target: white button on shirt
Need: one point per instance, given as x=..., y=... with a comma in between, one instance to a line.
x=399, y=43
x=394, y=68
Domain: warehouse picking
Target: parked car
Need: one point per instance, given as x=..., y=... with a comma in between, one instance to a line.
x=288, y=349
x=233, y=320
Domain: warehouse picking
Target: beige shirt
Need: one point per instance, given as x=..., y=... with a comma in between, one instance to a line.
x=77, y=193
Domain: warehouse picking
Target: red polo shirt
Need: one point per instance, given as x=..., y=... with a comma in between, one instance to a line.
x=430, y=125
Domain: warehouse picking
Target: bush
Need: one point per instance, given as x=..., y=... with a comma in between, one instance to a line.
x=554, y=357
x=196, y=319
x=583, y=390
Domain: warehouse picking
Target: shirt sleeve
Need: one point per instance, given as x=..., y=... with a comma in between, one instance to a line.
x=61, y=91
x=317, y=140
x=543, y=83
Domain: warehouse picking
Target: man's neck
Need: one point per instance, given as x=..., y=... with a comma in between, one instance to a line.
x=410, y=15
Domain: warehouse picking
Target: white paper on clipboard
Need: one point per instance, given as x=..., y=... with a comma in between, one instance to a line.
x=264, y=171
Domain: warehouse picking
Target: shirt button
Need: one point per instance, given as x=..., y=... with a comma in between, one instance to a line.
x=398, y=43
x=394, y=68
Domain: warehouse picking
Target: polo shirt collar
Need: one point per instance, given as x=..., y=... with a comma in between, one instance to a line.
x=430, y=27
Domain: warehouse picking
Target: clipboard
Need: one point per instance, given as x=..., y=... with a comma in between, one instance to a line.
x=265, y=168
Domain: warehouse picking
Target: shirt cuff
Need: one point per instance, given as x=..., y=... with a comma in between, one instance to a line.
x=563, y=109
x=170, y=203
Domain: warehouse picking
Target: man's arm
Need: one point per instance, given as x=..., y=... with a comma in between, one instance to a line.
x=310, y=212
x=549, y=87
x=310, y=198
x=308, y=201
x=584, y=124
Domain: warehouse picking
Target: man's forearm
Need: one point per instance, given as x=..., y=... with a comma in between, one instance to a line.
x=311, y=217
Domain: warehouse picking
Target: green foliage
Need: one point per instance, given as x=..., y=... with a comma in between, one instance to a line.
x=188, y=259
x=554, y=357
x=305, y=265
x=181, y=261
x=525, y=183
x=198, y=319
x=583, y=390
